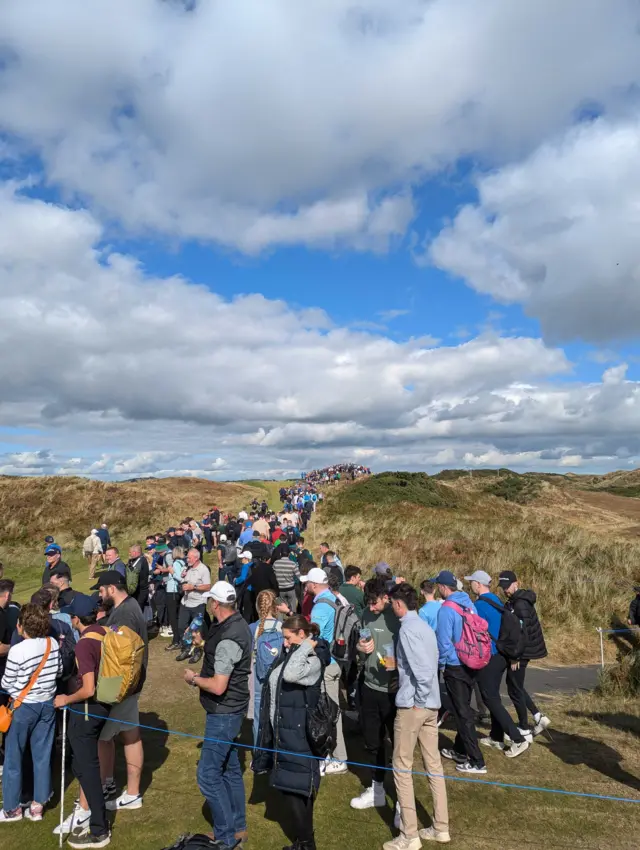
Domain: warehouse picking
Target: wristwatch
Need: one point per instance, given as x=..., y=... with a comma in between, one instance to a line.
x=193, y=681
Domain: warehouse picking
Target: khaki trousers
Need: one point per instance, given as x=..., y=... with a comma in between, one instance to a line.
x=421, y=725
x=93, y=563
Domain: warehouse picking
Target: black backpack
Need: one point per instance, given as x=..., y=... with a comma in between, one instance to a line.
x=512, y=640
x=193, y=842
x=322, y=724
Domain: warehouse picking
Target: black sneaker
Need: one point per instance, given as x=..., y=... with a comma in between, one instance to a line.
x=196, y=655
x=183, y=655
x=89, y=840
x=173, y=647
x=109, y=789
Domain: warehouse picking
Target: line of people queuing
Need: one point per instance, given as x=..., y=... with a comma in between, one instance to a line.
x=312, y=630
x=337, y=472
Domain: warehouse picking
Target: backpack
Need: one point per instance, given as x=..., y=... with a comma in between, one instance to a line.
x=230, y=553
x=193, y=842
x=474, y=647
x=346, y=628
x=132, y=576
x=268, y=649
x=292, y=537
x=120, y=663
x=512, y=640
x=67, y=644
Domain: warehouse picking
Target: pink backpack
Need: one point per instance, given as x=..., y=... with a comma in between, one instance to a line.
x=474, y=647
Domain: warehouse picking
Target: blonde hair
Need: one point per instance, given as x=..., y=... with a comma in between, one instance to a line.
x=178, y=553
x=266, y=607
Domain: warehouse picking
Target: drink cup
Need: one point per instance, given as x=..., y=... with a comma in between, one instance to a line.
x=389, y=656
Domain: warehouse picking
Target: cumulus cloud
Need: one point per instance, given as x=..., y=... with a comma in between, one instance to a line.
x=254, y=124
x=558, y=232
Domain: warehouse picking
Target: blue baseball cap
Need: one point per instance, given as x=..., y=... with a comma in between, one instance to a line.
x=447, y=578
x=81, y=605
x=53, y=549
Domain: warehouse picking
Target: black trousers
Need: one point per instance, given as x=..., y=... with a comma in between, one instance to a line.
x=208, y=538
x=83, y=735
x=187, y=616
x=489, y=680
x=377, y=715
x=459, y=681
x=173, y=604
x=301, y=809
x=160, y=605
x=519, y=696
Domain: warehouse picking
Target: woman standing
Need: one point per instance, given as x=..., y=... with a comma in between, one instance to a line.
x=293, y=687
x=172, y=581
x=268, y=624
x=30, y=679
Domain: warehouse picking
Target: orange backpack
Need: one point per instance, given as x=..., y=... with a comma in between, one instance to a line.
x=120, y=663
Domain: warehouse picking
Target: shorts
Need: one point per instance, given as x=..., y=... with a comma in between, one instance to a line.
x=129, y=711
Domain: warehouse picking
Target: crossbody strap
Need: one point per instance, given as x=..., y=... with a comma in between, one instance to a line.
x=24, y=693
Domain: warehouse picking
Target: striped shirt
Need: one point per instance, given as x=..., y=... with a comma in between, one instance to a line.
x=22, y=662
x=286, y=572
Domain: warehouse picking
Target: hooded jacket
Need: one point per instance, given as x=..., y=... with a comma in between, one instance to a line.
x=522, y=603
x=449, y=629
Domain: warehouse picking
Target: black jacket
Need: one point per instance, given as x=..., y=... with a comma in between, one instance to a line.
x=634, y=611
x=293, y=768
x=522, y=603
x=263, y=577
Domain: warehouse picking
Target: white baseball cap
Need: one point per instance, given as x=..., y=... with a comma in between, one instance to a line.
x=316, y=575
x=221, y=591
x=246, y=554
x=480, y=576
x=223, y=538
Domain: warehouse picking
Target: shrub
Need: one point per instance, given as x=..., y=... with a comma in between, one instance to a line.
x=514, y=488
x=392, y=488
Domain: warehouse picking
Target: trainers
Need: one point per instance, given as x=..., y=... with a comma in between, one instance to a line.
x=78, y=819
x=467, y=767
x=196, y=655
x=11, y=817
x=542, y=723
x=453, y=755
x=489, y=742
x=125, y=801
x=527, y=734
x=34, y=812
x=517, y=749
x=397, y=818
x=402, y=843
x=332, y=767
x=183, y=655
x=430, y=834
x=370, y=797
x=86, y=839
x=173, y=647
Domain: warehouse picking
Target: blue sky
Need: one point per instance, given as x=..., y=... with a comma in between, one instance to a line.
x=238, y=257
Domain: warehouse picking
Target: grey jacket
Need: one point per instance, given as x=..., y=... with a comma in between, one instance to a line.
x=417, y=664
x=304, y=668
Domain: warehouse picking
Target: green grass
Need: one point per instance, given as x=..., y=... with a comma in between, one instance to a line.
x=389, y=489
x=514, y=488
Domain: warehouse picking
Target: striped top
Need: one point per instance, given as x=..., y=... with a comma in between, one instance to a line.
x=22, y=662
x=286, y=573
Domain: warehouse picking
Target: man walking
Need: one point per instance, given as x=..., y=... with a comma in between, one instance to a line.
x=124, y=718
x=92, y=550
x=522, y=603
x=380, y=627
x=490, y=677
x=323, y=614
x=224, y=695
x=458, y=678
x=287, y=572
x=418, y=703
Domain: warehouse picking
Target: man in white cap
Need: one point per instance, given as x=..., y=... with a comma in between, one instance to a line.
x=323, y=614
x=224, y=695
x=489, y=678
x=92, y=550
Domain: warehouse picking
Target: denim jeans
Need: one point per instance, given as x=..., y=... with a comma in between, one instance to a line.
x=220, y=776
x=35, y=722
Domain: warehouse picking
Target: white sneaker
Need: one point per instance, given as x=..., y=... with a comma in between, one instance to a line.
x=489, y=742
x=527, y=734
x=430, y=834
x=402, y=843
x=123, y=802
x=370, y=797
x=517, y=749
x=467, y=767
x=542, y=723
x=78, y=818
x=333, y=767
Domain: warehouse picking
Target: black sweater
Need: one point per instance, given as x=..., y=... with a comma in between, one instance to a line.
x=522, y=603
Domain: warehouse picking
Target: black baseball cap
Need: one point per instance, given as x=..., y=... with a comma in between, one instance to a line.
x=506, y=578
x=445, y=577
x=108, y=578
x=81, y=605
x=61, y=569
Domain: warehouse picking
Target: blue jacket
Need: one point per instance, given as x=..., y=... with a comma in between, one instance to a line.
x=493, y=617
x=449, y=629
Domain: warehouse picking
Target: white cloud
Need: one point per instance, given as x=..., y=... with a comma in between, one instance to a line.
x=558, y=232
x=253, y=124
